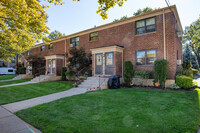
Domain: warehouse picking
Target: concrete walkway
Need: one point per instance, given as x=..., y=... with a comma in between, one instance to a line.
x=9, y=123
x=24, y=83
x=14, y=107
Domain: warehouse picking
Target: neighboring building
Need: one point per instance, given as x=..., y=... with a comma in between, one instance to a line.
x=141, y=39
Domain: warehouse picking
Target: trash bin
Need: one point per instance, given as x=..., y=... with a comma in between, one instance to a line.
x=113, y=82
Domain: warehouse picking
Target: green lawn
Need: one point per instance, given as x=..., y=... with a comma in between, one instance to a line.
x=14, y=81
x=6, y=77
x=22, y=92
x=118, y=111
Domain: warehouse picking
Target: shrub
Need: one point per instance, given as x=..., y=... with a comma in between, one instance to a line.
x=186, y=65
x=188, y=72
x=70, y=75
x=128, y=72
x=144, y=74
x=195, y=84
x=63, y=71
x=88, y=72
x=174, y=86
x=160, y=71
x=195, y=72
x=179, y=72
x=184, y=81
x=22, y=70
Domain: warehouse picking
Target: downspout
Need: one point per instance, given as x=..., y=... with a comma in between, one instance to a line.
x=122, y=66
x=65, y=54
x=164, y=38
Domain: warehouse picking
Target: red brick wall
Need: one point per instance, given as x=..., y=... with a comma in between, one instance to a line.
x=118, y=63
x=125, y=34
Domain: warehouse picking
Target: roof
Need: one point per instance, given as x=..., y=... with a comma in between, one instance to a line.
x=121, y=22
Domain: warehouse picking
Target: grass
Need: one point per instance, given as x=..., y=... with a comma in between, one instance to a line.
x=6, y=77
x=23, y=92
x=14, y=81
x=123, y=110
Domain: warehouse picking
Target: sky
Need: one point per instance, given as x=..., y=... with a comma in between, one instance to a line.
x=73, y=16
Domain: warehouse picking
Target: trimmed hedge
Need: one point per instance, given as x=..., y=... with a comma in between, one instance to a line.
x=184, y=81
x=63, y=71
x=128, y=72
x=145, y=74
x=160, y=71
x=195, y=72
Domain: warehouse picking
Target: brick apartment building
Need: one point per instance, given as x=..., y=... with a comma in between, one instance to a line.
x=140, y=39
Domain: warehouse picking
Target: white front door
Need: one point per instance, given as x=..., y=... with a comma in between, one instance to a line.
x=51, y=64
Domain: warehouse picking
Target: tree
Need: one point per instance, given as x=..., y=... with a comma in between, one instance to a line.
x=141, y=11
x=78, y=58
x=188, y=56
x=192, y=37
x=122, y=18
x=55, y=35
x=23, y=23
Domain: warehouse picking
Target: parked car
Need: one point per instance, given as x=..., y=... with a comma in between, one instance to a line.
x=7, y=71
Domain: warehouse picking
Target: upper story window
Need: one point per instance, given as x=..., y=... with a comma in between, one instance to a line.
x=74, y=42
x=146, y=57
x=42, y=48
x=146, y=25
x=94, y=36
x=51, y=46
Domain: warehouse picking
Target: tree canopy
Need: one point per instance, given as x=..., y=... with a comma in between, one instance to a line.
x=188, y=56
x=122, y=18
x=192, y=37
x=141, y=11
x=55, y=35
x=23, y=23
x=138, y=12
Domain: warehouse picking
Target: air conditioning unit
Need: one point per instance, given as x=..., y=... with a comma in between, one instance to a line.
x=71, y=45
x=179, y=34
x=178, y=62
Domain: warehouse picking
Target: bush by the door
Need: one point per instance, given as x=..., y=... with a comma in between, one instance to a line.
x=128, y=72
x=160, y=71
x=63, y=71
x=70, y=75
x=184, y=81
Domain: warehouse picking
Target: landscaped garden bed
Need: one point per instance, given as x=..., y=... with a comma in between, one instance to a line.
x=121, y=110
x=23, y=92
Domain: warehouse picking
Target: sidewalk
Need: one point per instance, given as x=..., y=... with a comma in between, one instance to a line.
x=10, y=123
x=24, y=83
x=14, y=107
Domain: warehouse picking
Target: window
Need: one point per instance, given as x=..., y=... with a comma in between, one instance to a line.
x=10, y=70
x=51, y=46
x=146, y=57
x=94, y=36
x=74, y=42
x=146, y=26
x=42, y=48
